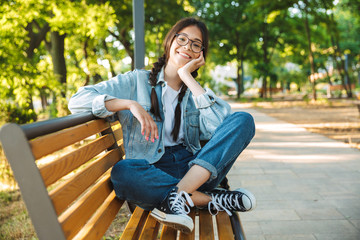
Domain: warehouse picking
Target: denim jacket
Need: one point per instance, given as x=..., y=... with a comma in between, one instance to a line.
x=201, y=114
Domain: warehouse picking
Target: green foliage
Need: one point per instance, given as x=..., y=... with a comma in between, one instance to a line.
x=10, y=112
x=98, y=36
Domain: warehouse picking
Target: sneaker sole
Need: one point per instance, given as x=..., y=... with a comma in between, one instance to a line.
x=182, y=223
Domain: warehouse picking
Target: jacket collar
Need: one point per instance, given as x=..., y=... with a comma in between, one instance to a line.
x=160, y=78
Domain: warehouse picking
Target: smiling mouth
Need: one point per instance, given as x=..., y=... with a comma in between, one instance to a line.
x=184, y=55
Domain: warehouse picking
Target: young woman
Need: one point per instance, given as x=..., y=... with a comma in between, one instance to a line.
x=164, y=114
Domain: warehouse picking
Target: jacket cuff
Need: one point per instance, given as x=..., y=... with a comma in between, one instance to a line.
x=205, y=100
x=98, y=106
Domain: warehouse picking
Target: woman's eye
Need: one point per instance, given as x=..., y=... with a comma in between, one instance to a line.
x=197, y=45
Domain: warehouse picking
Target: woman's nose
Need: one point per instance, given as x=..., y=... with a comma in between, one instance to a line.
x=188, y=45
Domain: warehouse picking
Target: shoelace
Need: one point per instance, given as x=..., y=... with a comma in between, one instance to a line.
x=223, y=202
x=178, y=202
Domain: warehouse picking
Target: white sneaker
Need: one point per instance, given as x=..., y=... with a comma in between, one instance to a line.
x=174, y=211
x=239, y=200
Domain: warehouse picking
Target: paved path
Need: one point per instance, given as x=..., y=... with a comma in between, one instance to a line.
x=307, y=186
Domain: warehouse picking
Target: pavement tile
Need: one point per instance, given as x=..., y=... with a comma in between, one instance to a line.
x=268, y=215
x=306, y=185
x=250, y=228
x=291, y=237
x=350, y=213
x=356, y=223
x=254, y=237
x=307, y=227
x=337, y=236
x=319, y=214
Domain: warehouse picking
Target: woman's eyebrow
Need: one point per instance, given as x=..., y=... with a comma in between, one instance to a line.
x=195, y=39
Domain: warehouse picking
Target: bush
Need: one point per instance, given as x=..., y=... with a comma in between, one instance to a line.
x=10, y=112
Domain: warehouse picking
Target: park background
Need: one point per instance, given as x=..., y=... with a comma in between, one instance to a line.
x=296, y=60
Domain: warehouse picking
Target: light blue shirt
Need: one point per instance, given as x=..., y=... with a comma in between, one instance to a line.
x=201, y=114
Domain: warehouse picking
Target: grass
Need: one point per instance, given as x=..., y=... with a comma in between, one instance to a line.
x=14, y=220
x=16, y=224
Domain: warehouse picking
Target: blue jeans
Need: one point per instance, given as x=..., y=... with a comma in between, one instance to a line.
x=147, y=185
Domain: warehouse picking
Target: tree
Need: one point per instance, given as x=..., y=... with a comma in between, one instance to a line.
x=230, y=37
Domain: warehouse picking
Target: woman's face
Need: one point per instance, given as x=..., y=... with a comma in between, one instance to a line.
x=180, y=55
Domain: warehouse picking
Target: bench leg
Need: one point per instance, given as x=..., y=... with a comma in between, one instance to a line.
x=237, y=227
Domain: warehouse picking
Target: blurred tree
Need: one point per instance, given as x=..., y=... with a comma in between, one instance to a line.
x=30, y=33
x=230, y=36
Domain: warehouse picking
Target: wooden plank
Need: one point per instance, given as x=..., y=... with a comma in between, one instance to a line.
x=74, y=218
x=69, y=190
x=55, y=170
x=151, y=229
x=190, y=236
x=224, y=228
x=33, y=190
x=119, y=138
x=206, y=228
x=135, y=225
x=47, y=144
x=101, y=220
x=168, y=233
x=118, y=134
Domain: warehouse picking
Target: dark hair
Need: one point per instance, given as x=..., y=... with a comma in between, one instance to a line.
x=162, y=61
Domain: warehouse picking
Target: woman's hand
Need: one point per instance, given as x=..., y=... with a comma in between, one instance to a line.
x=185, y=75
x=148, y=125
x=191, y=66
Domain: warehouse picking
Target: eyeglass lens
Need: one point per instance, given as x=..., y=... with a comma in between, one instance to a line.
x=182, y=40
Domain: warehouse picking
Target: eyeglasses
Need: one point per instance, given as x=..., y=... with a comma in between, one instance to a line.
x=195, y=46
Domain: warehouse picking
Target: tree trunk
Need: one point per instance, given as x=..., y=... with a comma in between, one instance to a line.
x=86, y=55
x=311, y=55
x=239, y=80
x=58, y=59
x=35, y=38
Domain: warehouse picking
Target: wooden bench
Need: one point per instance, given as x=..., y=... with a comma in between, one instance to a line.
x=67, y=189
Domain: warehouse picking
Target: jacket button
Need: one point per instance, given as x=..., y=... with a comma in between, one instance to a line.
x=159, y=151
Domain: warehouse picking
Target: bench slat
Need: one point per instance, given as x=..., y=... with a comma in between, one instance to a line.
x=100, y=222
x=206, y=225
x=79, y=213
x=135, y=224
x=118, y=134
x=190, y=236
x=33, y=190
x=119, y=138
x=60, y=167
x=150, y=229
x=168, y=233
x=224, y=226
x=47, y=144
x=68, y=191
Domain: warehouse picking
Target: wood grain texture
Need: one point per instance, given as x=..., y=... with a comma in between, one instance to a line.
x=101, y=220
x=224, y=226
x=150, y=230
x=168, y=233
x=74, y=218
x=47, y=144
x=69, y=190
x=58, y=168
x=206, y=225
x=134, y=226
